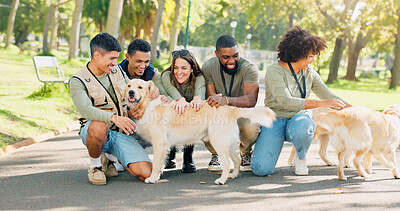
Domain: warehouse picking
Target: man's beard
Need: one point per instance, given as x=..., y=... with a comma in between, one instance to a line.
x=230, y=71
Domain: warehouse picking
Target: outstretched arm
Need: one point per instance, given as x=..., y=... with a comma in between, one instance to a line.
x=249, y=98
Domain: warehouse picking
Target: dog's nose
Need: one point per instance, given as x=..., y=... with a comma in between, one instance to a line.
x=131, y=93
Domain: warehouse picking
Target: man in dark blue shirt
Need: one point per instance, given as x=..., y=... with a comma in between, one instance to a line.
x=137, y=65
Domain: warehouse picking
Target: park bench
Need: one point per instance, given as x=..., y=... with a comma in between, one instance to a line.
x=48, y=67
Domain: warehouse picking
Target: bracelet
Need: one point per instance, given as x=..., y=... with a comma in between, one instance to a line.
x=227, y=101
x=179, y=98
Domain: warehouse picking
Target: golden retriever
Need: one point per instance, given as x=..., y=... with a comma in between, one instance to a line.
x=322, y=136
x=363, y=131
x=163, y=127
x=392, y=110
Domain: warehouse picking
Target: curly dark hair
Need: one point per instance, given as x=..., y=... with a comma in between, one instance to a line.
x=138, y=45
x=186, y=55
x=298, y=43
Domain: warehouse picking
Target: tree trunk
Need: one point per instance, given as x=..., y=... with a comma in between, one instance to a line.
x=21, y=36
x=46, y=27
x=156, y=30
x=340, y=45
x=352, y=63
x=175, y=28
x=11, y=20
x=53, y=29
x=291, y=18
x=74, y=34
x=114, y=17
x=395, y=81
x=354, y=52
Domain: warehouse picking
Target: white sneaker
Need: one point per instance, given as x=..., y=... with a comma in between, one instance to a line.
x=300, y=166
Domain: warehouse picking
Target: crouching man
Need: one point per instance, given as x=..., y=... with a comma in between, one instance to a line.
x=96, y=91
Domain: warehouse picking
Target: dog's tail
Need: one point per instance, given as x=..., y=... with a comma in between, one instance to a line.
x=261, y=115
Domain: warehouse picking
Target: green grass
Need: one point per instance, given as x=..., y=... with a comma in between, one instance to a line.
x=370, y=92
x=27, y=107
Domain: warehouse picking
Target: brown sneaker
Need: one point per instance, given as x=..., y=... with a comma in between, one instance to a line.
x=96, y=176
x=108, y=166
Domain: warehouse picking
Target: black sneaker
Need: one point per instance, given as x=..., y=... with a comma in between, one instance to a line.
x=214, y=164
x=245, y=164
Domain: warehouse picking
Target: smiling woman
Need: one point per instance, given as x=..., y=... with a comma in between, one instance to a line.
x=184, y=75
x=288, y=83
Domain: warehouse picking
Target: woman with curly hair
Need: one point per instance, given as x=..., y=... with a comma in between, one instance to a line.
x=184, y=82
x=288, y=83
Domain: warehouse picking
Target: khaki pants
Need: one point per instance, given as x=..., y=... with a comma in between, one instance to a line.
x=248, y=136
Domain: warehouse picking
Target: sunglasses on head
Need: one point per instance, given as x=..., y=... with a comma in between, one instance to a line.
x=180, y=53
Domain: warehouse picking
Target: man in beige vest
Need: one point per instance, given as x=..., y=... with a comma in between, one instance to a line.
x=96, y=91
x=232, y=80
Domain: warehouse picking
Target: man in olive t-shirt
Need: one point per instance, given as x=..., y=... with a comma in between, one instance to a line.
x=231, y=80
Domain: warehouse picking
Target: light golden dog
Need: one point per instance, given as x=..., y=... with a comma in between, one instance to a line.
x=363, y=131
x=322, y=136
x=163, y=127
x=393, y=110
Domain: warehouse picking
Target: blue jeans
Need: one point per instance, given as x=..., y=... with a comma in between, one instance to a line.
x=299, y=130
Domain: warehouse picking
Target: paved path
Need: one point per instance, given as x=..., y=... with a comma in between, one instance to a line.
x=52, y=175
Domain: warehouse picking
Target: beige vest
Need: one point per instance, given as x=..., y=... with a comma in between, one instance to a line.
x=99, y=95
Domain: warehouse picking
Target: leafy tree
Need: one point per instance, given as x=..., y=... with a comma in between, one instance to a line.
x=29, y=19
x=272, y=11
x=51, y=22
x=364, y=26
x=95, y=12
x=337, y=17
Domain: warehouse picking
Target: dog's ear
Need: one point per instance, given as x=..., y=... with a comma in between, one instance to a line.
x=151, y=85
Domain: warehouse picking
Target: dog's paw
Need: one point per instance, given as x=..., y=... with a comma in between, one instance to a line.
x=329, y=163
x=347, y=165
x=233, y=175
x=366, y=176
x=150, y=180
x=342, y=177
x=219, y=181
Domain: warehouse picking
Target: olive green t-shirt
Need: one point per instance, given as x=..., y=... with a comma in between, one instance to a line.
x=248, y=73
x=282, y=94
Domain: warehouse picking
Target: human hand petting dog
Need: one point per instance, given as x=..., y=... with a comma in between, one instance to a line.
x=165, y=99
x=334, y=103
x=136, y=113
x=196, y=103
x=181, y=105
x=217, y=100
x=124, y=123
x=154, y=93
